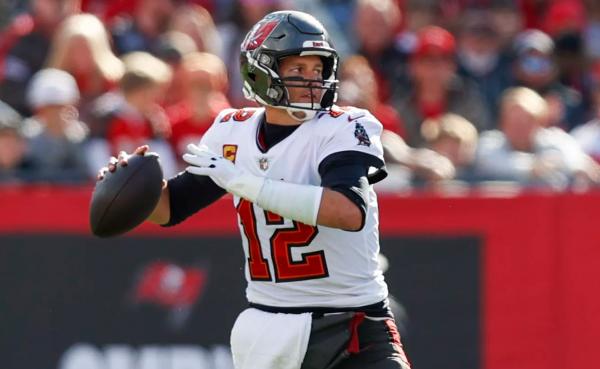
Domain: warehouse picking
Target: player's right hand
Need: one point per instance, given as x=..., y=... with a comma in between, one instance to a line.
x=120, y=161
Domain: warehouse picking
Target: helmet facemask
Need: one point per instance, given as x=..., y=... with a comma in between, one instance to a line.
x=321, y=91
x=263, y=82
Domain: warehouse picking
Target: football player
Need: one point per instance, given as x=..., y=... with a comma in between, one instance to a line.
x=300, y=170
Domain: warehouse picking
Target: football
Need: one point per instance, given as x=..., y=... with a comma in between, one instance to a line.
x=126, y=197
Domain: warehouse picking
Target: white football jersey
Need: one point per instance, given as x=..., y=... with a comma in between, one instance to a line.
x=288, y=263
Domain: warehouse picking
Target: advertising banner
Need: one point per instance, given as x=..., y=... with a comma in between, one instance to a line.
x=76, y=302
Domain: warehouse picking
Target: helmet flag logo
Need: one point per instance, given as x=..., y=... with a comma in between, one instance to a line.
x=258, y=36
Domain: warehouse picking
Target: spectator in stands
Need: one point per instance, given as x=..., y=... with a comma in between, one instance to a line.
x=340, y=12
x=408, y=166
x=13, y=147
x=420, y=14
x=54, y=133
x=105, y=9
x=133, y=116
x=196, y=22
x=507, y=20
x=173, y=46
x=564, y=22
x=9, y=115
x=251, y=11
x=481, y=59
x=525, y=152
x=534, y=67
x=591, y=33
x=205, y=96
x=5, y=13
x=358, y=87
x=436, y=88
x=140, y=31
x=81, y=46
x=27, y=46
x=588, y=134
x=455, y=138
x=564, y=16
x=377, y=23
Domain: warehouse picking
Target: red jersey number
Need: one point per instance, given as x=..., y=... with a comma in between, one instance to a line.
x=237, y=115
x=311, y=266
x=258, y=265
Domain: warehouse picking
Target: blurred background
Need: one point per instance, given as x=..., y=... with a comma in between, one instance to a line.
x=491, y=115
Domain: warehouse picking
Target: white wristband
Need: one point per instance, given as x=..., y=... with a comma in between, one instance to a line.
x=291, y=201
x=246, y=186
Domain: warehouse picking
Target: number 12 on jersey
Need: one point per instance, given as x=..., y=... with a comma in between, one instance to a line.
x=311, y=266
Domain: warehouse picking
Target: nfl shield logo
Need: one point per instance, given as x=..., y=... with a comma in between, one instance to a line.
x=263, y=163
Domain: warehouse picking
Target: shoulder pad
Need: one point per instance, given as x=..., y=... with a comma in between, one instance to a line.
x=345, y=113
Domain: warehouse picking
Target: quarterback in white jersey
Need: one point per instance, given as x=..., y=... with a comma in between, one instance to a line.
x=292, y=263
x=300, y=171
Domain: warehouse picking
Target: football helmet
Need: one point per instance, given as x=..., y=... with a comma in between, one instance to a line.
x=276, y=36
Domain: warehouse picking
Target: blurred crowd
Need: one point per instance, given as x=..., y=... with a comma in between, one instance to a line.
x=470, y=92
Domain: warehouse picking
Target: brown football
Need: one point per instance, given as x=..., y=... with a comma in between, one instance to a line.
x=126, y=197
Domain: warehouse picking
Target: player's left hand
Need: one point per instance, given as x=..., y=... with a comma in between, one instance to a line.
x=224, y=173
x=204, y=162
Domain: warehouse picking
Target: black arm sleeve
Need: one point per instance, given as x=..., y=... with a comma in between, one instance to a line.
x=188, y=193
x=347, y=172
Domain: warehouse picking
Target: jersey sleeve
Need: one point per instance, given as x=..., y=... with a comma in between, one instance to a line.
x=188, y=194
x=358, y=136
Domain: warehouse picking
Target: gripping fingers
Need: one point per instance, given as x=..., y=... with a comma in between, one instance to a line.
x=123, y=156
x=112, y=164
x=102, y=173
x=141, y=150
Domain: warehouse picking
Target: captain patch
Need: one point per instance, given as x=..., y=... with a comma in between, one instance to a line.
x=229, y=152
